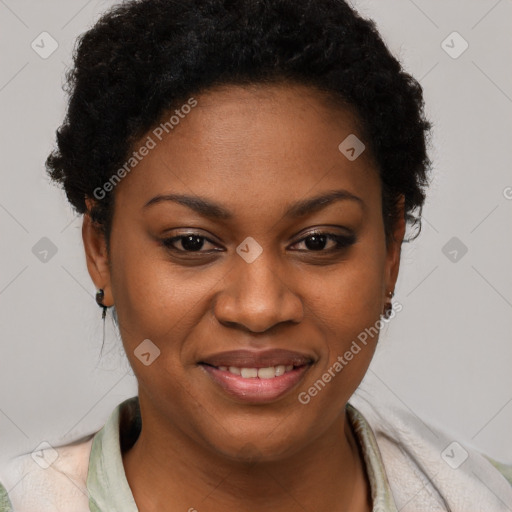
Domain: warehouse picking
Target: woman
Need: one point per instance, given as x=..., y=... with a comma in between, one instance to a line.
x=247, y=171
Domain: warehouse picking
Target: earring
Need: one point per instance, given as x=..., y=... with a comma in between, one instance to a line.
x=100, y=294
x=388, y=308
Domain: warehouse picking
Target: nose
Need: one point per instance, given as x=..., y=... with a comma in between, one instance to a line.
x=257, y=296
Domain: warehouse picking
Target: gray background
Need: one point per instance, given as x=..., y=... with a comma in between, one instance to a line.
x=446, y=356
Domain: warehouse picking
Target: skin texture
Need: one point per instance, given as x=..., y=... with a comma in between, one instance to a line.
x=255, y=150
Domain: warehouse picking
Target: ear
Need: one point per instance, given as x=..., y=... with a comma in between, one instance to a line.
x=394, y=248
x=96, y=254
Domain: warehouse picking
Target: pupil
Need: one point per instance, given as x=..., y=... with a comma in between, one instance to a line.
x=318, y=242
x=192, y=243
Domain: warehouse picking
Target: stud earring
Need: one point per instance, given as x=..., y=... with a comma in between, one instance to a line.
x=388, y=308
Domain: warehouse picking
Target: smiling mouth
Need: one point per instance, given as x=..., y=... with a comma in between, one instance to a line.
x=256, y=376
x=270, y=372
x=256, y=385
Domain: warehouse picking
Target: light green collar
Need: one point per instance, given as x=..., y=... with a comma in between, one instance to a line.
x=382, y=496
x=106, y=479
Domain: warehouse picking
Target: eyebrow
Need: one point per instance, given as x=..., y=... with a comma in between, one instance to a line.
x=209, y=208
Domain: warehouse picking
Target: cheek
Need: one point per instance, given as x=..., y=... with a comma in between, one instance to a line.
x=347, y=304
x=157, y=300
x=349, y=297
x=347, y=312
x=142, y=289
x=150, y=300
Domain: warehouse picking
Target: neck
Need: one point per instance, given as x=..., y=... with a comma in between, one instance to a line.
x=167, y=470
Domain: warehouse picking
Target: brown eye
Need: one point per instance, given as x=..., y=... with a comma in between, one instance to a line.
x=317, y=241
x=189, y=242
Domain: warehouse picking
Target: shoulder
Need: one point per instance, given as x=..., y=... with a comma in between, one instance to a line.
x=427, y=466
x=49, y=479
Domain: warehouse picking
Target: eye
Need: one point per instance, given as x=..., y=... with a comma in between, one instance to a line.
x=314, y=242
x=317, y=241
x=190, y=242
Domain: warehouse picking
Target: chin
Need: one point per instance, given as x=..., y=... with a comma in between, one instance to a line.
x=255, y=447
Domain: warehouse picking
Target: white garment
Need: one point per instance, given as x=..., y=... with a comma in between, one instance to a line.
x=403, y=458
x=422, y=465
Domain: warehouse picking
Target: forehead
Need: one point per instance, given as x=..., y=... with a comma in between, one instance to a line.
x=249, y=145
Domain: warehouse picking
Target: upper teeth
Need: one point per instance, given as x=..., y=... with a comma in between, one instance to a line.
x=262, y=373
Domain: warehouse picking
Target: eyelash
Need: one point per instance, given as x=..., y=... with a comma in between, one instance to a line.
x=342, y=242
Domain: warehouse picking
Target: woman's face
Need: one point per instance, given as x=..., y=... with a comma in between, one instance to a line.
x=253, y=277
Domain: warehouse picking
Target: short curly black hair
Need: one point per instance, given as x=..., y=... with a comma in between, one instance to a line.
x=144, y=58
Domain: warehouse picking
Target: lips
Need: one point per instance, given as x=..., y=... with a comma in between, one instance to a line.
x=257, y=377
x=262, y=359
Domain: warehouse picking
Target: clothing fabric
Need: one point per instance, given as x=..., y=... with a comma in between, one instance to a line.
x=5, y=504
x=411, y=466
